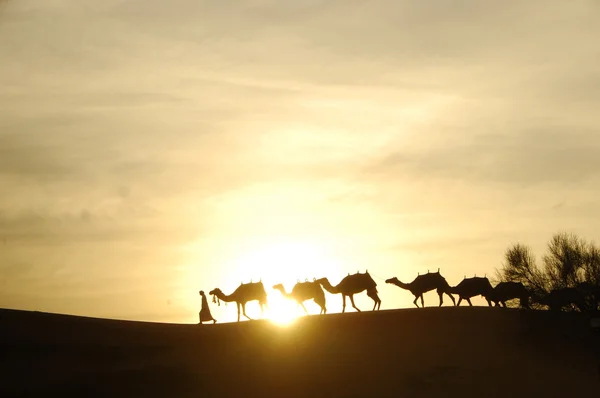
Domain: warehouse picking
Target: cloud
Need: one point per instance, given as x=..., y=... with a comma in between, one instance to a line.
x=524, y=158
x=25, y=156
x=131, y=225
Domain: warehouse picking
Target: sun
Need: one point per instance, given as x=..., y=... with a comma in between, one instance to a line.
x=285, y=262
x=282, y=313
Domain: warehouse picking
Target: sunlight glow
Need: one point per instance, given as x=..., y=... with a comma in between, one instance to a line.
x=282, y=314
x=226, y=263
x=285, y=261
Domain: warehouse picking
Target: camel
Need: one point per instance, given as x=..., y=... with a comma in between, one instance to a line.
x=591, y=293
x=351, y=285
x=505, y=291
x=423, y=284
x=567, y=296
x=471, y=287
x=243, y=294
x=303, y=291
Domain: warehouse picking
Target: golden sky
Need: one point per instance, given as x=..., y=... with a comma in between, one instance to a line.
x=149, y=149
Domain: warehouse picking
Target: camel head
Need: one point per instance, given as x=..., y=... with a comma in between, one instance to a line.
x=320, y=281
x=201, y=292
x=393, y=280
x=215, y=293
x=279, y=287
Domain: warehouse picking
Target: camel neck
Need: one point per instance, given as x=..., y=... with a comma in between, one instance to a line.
x=224, y=297
x=331, y=289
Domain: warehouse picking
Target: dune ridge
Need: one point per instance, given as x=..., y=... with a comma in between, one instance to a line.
x=448, y=351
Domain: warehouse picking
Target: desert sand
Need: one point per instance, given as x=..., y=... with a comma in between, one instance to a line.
x=429, y=352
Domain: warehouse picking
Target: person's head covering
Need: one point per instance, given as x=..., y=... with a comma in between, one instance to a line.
x=202, y=292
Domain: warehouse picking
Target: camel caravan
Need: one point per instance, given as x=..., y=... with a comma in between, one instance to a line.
x=584, y=296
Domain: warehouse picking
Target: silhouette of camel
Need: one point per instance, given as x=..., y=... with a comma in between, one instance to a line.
x=303, y=291
x=351, y=285
x=505, y=291
x=557, y=299
x=471, y=287
x=245, y=293
x=591, y=293
x=423, y=284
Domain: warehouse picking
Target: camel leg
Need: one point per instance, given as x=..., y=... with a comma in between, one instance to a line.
x=262, y=309
x=238, y=307
x=303, y=307
x=459, y=300
x=244, y=311
x=451, y=298
x=469, y=301
x=322, y=305
x=441, y=293
x=422, y=302
x=344, y=304
x=353, y=305
x=377, y=304
x=376, y=300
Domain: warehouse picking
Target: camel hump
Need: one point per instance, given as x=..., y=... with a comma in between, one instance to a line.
x=474, y=286
x=365, y=280
x=251, y=289
x=358, y=281
x=306, y=289
x=430, y=280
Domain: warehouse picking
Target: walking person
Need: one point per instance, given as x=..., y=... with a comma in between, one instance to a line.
x=205, y=315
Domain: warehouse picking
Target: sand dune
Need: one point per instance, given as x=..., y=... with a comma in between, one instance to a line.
x=443, y=352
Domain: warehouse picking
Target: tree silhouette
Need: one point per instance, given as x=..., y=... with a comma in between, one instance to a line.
x=520, y=266
x=570, y=262
x=565, y=261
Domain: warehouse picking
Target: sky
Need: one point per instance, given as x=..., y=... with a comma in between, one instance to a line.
x=150, y=149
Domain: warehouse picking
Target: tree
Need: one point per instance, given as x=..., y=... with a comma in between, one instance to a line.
x=570, y=262
x=591, y=272
x=591, y=268
x=519, y=266
x=565, y=261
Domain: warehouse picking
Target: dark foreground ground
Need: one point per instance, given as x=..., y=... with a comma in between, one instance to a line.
x=432, y=352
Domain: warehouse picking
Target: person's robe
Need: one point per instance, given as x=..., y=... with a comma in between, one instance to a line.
x=205, y=314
